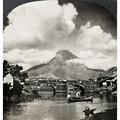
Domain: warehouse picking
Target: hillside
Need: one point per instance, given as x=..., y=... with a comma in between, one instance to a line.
x=58, y=67
x=109, y=72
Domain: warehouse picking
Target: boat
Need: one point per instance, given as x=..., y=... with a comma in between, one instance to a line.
x=75, y=99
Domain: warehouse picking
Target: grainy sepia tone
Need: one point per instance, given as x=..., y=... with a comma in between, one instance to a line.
x=60, y=60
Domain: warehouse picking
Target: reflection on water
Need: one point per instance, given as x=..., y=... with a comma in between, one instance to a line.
x=45, y=94
x=56, y=110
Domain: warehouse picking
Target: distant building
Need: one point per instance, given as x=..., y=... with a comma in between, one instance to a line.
x=9, y=80
x=107, y=82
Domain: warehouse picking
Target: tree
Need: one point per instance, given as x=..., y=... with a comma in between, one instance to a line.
x=6, y=67
x=14, y=70
x=23, y=76
x=18, y=76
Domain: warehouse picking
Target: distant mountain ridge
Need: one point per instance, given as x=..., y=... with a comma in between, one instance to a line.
x=58, y=67
x=109, y=72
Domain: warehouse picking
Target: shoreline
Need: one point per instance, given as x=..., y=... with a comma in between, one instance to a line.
x=109, y=114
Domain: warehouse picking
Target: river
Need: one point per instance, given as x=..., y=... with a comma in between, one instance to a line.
x=56, y=110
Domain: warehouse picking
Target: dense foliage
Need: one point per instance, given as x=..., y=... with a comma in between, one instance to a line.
x=12, y=93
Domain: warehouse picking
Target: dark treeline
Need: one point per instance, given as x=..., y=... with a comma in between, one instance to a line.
x=12, y=93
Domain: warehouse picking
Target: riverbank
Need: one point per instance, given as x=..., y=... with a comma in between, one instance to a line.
x=110, y=114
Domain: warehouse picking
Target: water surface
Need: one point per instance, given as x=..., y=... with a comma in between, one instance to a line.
x=56, y=110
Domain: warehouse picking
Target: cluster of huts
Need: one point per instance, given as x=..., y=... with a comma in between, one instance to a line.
x=108, y=83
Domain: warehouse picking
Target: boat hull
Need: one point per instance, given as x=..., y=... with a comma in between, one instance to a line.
x=73, y=99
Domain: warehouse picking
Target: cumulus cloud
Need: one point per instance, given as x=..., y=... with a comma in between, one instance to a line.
x=37, y=30
x=94, y=38
x=29, y=58
x=38, y=24
x=99, y=61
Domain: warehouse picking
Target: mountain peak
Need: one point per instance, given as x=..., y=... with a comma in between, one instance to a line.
x=58, y=67
x=65, y=55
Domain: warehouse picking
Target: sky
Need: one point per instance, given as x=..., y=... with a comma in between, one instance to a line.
x=37, y=30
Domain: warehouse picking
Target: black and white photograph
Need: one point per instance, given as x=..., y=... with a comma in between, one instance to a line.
x=59, y=60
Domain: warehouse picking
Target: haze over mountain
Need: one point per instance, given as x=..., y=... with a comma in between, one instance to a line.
x=60, y=67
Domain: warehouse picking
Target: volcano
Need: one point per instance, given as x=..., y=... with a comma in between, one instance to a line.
x=59, y=67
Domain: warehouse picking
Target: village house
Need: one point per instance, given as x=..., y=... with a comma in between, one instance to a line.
x=9, y=80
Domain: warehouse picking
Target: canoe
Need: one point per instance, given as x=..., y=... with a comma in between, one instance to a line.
x=74, y=99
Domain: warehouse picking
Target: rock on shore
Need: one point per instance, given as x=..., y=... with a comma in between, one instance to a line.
x=110, y=114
